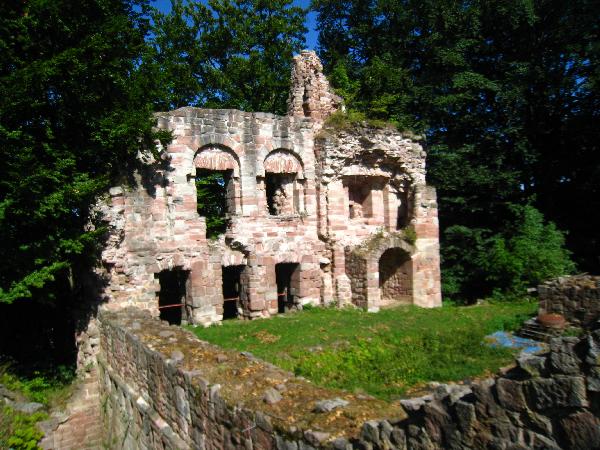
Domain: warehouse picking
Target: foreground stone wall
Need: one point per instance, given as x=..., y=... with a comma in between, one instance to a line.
x=162, y=388
x=79, y=426
x=548, y=401
x=577, y=298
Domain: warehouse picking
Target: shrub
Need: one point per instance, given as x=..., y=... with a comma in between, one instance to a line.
x=18, y=431
x=528, y=253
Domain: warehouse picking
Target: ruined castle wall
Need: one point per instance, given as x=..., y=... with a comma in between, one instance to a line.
x=162, y=388
x=156, y=225
x=357, y=272
x=310, y=93
x=295, y=204
x=372, y=183
x=427, y=289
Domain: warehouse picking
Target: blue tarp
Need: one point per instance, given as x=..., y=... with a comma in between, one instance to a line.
x=505, y=339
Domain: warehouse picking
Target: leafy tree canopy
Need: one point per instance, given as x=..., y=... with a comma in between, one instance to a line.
x=225, y=53
x=73, y=115
x=507, y=94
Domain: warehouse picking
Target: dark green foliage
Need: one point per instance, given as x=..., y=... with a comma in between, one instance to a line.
x=226, y=54
x=211, y=194
x=529, y=252
x=37, y=387
x=526, y=252
x=507, y=95
x=72, y=117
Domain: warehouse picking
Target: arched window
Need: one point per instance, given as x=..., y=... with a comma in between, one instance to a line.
x=217, y=187
x=284, y=183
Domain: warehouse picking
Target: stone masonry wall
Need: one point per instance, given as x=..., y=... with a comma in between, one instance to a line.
x=577, y=298
x=548, y=401
x=310, y=94
x=164, y=389
x=157, y=227
x=393, y=166
x=298, y=192
x=79, y=427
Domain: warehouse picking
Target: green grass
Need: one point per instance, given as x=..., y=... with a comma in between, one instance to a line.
x=384, y=354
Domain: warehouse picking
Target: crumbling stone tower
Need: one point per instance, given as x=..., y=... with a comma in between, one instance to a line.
x=315, y=215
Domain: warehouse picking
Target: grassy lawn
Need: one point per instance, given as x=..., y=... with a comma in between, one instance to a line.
x=386, y=354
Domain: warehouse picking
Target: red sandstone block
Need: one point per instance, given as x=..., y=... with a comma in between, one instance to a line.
x=175, y=148
x=186, y=140
x=257, y=305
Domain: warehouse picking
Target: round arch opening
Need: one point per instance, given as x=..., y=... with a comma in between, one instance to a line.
x=284, y=183
x=395, y=277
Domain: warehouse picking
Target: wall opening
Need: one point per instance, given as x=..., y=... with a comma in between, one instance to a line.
x=215, y=195
x=305, y=103
x=282, y=195
x=171, y=297
x=231, y=290
x=403, y=214
x=284, y=187
x=287, y=276
x=359, y=198
x=395, y=276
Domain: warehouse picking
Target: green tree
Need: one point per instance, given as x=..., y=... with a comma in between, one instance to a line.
x=173, y=63
x=226, y=53
x=211, y=195
x=73, y=115
x=530, y=252
x=506, y=93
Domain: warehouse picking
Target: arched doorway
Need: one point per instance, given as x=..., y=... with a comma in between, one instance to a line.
x=395, y=277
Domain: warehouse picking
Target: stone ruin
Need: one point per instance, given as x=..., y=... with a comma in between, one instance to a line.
x=314, y=215
x=565, y=302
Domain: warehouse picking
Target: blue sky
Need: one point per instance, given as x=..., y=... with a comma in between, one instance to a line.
x=311, y=19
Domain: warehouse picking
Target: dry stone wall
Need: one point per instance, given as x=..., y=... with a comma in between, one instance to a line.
x=547, y=401
x=162, y=388
x=577, y=298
